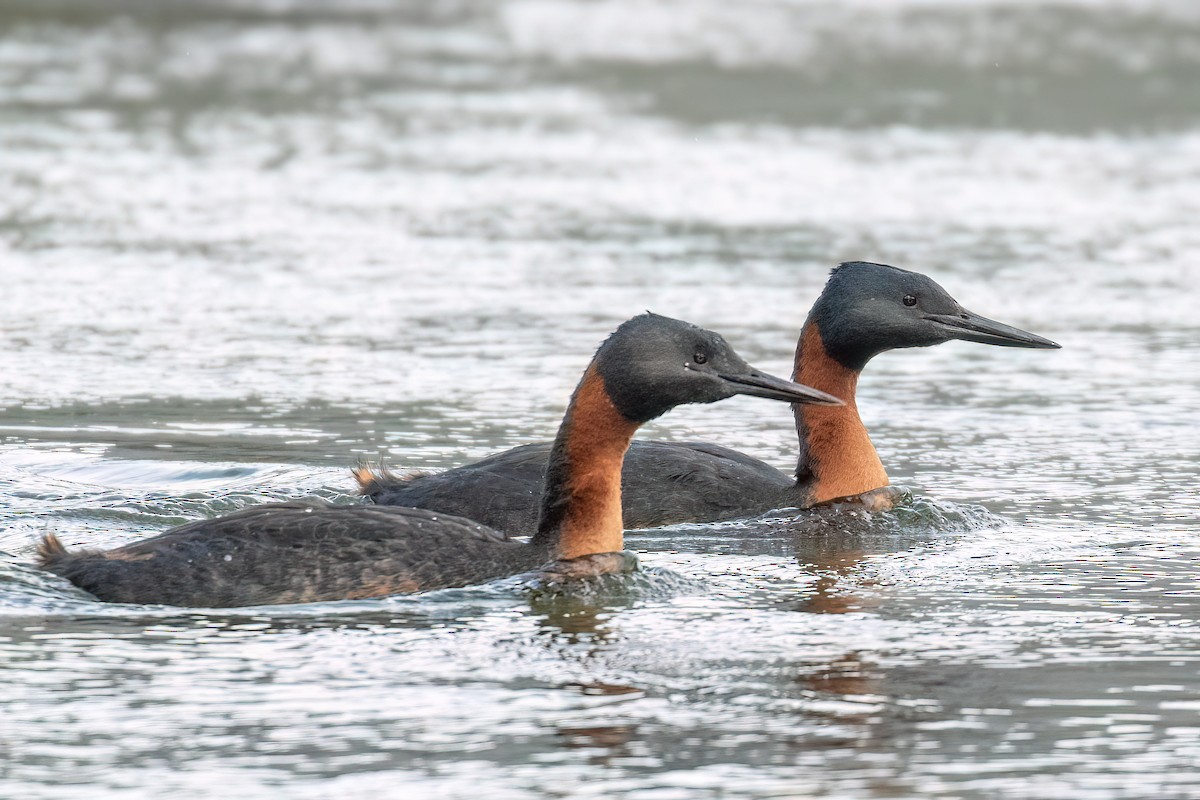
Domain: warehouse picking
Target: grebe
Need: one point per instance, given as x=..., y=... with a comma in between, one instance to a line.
x=309, y=551
x=865, y=309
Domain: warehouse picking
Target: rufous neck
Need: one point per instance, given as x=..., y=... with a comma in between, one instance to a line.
x=837, y=458
x=581, y=503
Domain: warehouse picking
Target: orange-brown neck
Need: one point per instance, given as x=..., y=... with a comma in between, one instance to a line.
x=581, y=510
x=837, y=458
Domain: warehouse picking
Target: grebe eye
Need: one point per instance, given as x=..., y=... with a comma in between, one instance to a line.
x=700, y=358
x=910, y=300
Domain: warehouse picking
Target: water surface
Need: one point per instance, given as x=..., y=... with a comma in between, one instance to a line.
x=245, y=244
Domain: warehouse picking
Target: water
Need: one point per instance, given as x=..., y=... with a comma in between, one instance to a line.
x=245, y=244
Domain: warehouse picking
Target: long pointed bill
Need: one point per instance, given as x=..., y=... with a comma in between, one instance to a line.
x=974, y=328
x=760, y=384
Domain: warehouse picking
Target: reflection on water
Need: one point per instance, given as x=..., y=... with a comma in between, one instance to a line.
x=246, y=244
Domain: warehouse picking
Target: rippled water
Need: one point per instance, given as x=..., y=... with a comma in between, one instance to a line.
x=247, y=243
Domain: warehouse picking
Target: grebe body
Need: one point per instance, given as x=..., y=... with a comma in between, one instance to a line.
x=312, y=551
x=865, y=309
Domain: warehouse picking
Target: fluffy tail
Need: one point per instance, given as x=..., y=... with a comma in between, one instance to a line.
x=375, y=479
x=364, y=476
x=50, y=551
x=370, y=478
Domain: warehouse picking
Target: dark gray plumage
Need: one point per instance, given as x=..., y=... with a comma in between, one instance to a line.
x=298, y=552
x=662, y=483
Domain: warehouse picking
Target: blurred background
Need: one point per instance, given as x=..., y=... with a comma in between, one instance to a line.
x=245, y=244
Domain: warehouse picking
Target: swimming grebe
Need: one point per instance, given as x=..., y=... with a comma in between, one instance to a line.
x=303, y=552
x=864, y=310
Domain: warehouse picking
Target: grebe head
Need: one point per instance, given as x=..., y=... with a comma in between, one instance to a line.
x=868, y=308
x=651, y=364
